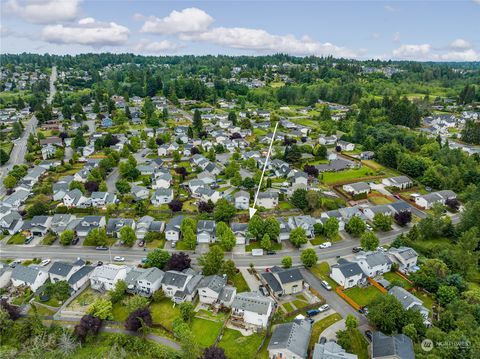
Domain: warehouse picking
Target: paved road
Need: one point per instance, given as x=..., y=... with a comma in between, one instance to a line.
x=114, y=176
x=53, y=89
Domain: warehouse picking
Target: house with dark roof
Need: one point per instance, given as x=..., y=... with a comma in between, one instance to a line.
x=331, y=350
x=347, y=274
x=181, y=286
x=206, y=231
x=38, y=225
x=210, y=289
x=31, y=276
x=282, y=281
x=405, y=257
x=62, y=271
x=409, y=301
x=144, y=282
x=290, y=340
x=80, y=277
x=373, y=263
x=114, y=225
x=172, y=229
x=397, y=346
x=88, y=223
x=148, y=224
x=10, y=220
x=240, y=231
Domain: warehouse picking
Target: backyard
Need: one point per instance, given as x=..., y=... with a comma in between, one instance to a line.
x=363, y=296
x=331, y=178
x=395, y=277
x=164, y=313
x=238, y=346
x=205, y=330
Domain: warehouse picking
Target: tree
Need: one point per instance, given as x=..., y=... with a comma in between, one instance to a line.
x=272, y=227
x=355, y=226
x=206, y=206
x=232, y=117
x=369, y=241
x=117, y=293
x=157, y=258
x=187, y=311
x=135, y=302
x=308, y=257
x=4, y=157
x=178, y=261
x=10, y=181
x=158, y=295
x=386, y=313
x=59, y=290
x=139, y=319
x=227, y=239
x=97, y=237
x=287, y=262
x=197, y=123
x=256, y=227
x=101, y=308
x=212, y=261
x=67, y=237
x=175, y=205
x=123, y=186
x=266, y=243
x=128, y=236
x=299, y=199
x=89, y=325
x=447, y=294
x=351, y=322
x=37, y=209
x=13, y=311
x=213, y=352
x=330, y=228
x=229, y=269
x=292, y=154
x=189, y=238
x=298, y=237
x=403, y=217
x=224, y=211
x=382, y=222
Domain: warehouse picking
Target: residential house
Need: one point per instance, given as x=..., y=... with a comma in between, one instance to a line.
x=144, y=282
x=345, y=146
x=327, y=140
x=357, y=188
x=181, y=286
x=140, y=193
x=172, y=230
x=104, y=278
x=347, y=274
x=206, y=194
x=206, y=231
x=252, y=308
x=267, y=200
x=162, y=196
x=78, y=279
x=367, y=155
x=397, y=346
x=240, y=232
x=331, y=350
x=282, y=281
x=62, y=271
x=290, y=340
x=306, y=222
x=5, y=275
x=384, y=209
x=16, y=199
x=102, y=199
x=38, y=225
x=409, y=301
x=210, y=287
x=61, y=187
x=242, y=200
x=427, y=201
x=148, y=224
x=10, y=220
x=114, y=225
x=75, y=198
x=400, y=182
x=88, y=223
x=373, y=263
x=161, y=180
x=31, y=276
x=405, y=257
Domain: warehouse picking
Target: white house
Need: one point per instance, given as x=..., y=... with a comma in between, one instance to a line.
x=242, y=200
x=144, y=282
x=400, y=182
x=31, y=276
x=290, y=340
x=105, y=277
x=162, y=196
x=172, y=229
x=357, y=188
x=181, y=286
x=102, y=199
x=267, y=200
x=210, y=288
x=62, y=271
x=427, y=201
x=347, y=274
x=409, y=301
x=405, y=257
x=373, y=263
x=80, y=277
x=240, y=231
x=206, y=231
x=345, y=146
x=253, y=308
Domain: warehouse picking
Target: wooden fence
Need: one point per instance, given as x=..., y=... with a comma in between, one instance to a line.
x=349, y=300
x=376, y=285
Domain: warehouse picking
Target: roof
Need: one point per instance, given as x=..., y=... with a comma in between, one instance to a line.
x=252, y=302
x=107, y=271
x=347, y=268
x=174, y=224
x=293, y=336
x=289, y=275
x=400, y=179
x=241, y=194
x=399, y=345
x=213, y=282
x=25, y=274
x=227, y=293
x=331, y=350
x=374, y=259
x=405, y=252
x=272, y=282
x=206, y=226
x=79, y=274
x=359, y=186
x=405, y=298
x=174, y=278
x=60, y=268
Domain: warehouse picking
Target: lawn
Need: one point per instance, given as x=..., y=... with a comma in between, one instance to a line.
x=119, y=311
x=320, y=239
x=240, y=283
x=299, y=304
x=392, y=276
x=156, y=243
x=206, y=331
x=164, y=313
x=377, y=200
x=17, y=239
x=363, y=296
x=182, y=246
x=41, y=310
x=49, y=239
x=288, y=307
x=256, y=245
x=320, y=326
x=331, y=178
x=428, y=301
x=358, y=344
x=238, y=346
x=285, y=205
x=322, y=272
x=52, y=302
x=89, y=242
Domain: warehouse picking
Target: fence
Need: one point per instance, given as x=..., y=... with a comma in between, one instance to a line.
x=376, y=285
x=345, y=297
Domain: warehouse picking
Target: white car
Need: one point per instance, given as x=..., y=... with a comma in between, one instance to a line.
x=324, y=308
x=45, y=262
x=118, y=259
x=325, y=245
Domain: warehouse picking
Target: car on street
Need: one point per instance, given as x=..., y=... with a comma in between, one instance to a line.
x=118, y=259
x=326, y=285
x=397, y=196
x=101, y=248
x=45, y=262
x=325, y=245
x=324, y=308
x=271, y=253
x=143, y=260
x=357, y=249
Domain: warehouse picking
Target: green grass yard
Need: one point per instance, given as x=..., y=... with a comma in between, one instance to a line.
x=320, y=326
x=205, y=331
x=17, y=239
x=120, y=313
x=164, y=313
x=240, y=283
x=238, y=346
x=392, y=276
x=331, y=178
x=41, y=310
x=363, y=296
x=256, y=245
x=288, y=307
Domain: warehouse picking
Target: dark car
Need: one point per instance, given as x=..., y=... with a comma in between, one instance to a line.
x=101, y=248
x=312, y=312
x=356, y=249
x=99, y=263
x=368, y=334
x=141, y=243
x=323, y=340
x=270, y=253
x=75, y=240
x=263, y=290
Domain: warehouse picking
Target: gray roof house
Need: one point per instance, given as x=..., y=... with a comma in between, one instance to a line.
x=347, y=274
x=206, y=231
x=331, y=350
x=405, y=257
x=31, y=276
x=210, y=287
x=283, y=281
x=253, y=308
x=290, y=340
x=114, y=225
x=409, y=301
x=397, y=346
x=144, y=282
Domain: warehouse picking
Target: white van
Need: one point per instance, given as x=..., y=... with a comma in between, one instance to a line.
x=326, y=245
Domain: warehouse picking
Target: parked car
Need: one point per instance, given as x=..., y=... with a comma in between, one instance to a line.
x=263, y=290
x=323, y=340
x=312, y=312
x=15, y=263
x=99, y=263
x=45, y=262
x=101, y=248
x=143, y=260
x=270, y=253
x=326, y=285
x=381, y=249
x=369, y=335
x=141, y=243
x=324, y=308
x=363, y=310
x=28, y=239
x=397, y=196
x=75, y=240
x=357, y=249
x=369, y=227
x=325, y=245
x=118, y=259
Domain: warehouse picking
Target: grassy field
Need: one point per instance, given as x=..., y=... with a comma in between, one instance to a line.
x=379, y=200
x=363, y=296
x=182, y=246
x=240, y=283
x=428, y=301
x=256, y=245
x=288, y=307
x=7, y=147
x=49, y=239
x=120, y=313
x=321, y=239
x=392, y=276
x=205, y=331
x=238, y=346
x=164, y=313
x=358, y=344
x=17, y=239
x=331, y=178
x=156, y=243
x=322, y=272
x=41, y=310
x=320, y=326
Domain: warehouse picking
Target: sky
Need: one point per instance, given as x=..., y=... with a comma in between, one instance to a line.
x=435, y=30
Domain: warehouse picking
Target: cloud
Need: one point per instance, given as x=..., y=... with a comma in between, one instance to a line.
x=156, y=47
x=189, y=20
x=425, y=52
x=4, y=31
x=44, y=11
x=390, y=8
x=396, y=37
x=138, y=17
x=460, y=44
x=477, y=1
x=87, y=31
x=375, y=35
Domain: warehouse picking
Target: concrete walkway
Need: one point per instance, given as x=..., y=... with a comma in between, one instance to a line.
x=331, y=332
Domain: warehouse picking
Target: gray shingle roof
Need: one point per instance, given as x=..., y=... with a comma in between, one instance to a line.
x=293, y=336
x=252, y=302
x=398, y=345
x=60, y=268
x=25, y=274
x=79, y=274
x=213, y=282
x=347, y=268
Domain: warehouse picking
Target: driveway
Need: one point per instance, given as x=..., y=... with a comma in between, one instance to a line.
x=331, y=332
x=252, y=282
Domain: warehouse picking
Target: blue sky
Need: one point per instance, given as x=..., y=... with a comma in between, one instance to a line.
x=415, y=30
